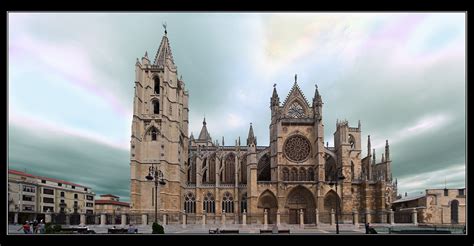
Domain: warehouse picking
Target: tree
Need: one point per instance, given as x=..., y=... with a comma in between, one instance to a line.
x=158, y=229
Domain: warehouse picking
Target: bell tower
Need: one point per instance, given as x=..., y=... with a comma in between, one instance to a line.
x=159, y=132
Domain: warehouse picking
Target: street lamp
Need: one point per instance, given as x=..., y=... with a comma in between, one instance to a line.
x=335, y=181
x=157, y=176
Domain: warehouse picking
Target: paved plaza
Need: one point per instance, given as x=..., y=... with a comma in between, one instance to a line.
x=344, y=229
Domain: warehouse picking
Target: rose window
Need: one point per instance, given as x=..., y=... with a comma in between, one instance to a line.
x=297, y=148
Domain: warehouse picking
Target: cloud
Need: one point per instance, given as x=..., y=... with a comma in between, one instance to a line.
x=453, y=176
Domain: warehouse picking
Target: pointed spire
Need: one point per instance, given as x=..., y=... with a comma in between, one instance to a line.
x=387, y=150
x=373, y=157
x=251, y=137
x=275, y=100
x=296, y=77
x=359, y=125
x=146, y=54
x=164, y=52
x=368, y=146
x=192, y=137
x=239, y=141
x=204, y=134
x=223, y=141
x=383, y=159
x=317, y=101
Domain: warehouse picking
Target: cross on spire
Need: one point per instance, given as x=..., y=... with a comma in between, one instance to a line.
x=296, y=76
x=164, y=26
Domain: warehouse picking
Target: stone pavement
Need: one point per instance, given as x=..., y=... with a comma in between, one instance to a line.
x=243, y=229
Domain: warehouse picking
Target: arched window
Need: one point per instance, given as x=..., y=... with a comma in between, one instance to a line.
x=154, y=134
x=330, y=168
x=204, y=173
x=352, y=170
x=310, y=174
x=208, y=203
x=263, y=169
x=229, y=169
x=157, y=85
x=190, y=203
x=192, y=171
x=212, y=169
x=228, y=203
x=286, y=174
x=302, y=176
x=243, y=203
x=156, y=107
x=351, y=141
x=294, y=174
x=243, y=171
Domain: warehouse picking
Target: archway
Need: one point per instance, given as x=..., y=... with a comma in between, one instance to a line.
x=267, y=200
x=454, y=212
x=330, y=202
x=300, y=198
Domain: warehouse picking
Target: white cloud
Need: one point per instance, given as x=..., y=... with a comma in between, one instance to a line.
x=453, y=175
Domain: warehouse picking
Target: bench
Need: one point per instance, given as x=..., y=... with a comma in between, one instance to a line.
x=223, y=231
x=81, y=230
x=117, y=230
x=271, y=231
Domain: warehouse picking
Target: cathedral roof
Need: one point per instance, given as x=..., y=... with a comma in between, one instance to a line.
x=163, y=53
x=295, y=92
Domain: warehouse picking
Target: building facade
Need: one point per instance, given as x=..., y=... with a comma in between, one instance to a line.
x=295, y=174
x=112, y=207
x=435, y=206
x=31, y=197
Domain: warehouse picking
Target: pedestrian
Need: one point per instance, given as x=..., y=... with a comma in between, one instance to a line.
x=367, y=228
x=35, y=226
x=25, y=227
x=131, y=229
x=41, y=227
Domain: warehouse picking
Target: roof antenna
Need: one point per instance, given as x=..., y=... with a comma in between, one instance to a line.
x=164, y=26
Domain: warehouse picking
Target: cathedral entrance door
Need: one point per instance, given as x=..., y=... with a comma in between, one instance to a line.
x=300, y=198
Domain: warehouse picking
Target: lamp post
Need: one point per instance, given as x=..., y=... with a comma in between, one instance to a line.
x=157, y=176
x=337, y=176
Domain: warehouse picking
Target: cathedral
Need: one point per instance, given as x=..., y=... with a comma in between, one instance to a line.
x=298, y=177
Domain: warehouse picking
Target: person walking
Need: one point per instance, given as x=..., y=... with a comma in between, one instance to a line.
x=25, y=227
x=367, y=228
x=41, y=227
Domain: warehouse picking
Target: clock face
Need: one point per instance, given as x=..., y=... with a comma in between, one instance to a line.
x=296, y=110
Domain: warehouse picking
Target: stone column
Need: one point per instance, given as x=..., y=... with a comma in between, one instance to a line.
x=123, y=219
x=316, y=221
x=301, y=218
x=144, y=219
x=355, y=218
x=278, y=218
x=223, y=218
x=15, y=218
x=83, y=219
x=164, y=219
x=244, y=218
x=391, y=216
x=102, y=219
x=203, y=217
x=68, y=219
x=367, y=216
x=265, y=219
x=414, y=216
x=47, y=217
x=184, y=218
x=333, y=217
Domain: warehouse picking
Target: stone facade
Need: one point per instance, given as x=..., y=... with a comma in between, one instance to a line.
x=436, y=206
x=110, y=204
x=297, y=172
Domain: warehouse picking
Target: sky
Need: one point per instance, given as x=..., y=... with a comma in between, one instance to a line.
x=71, y=83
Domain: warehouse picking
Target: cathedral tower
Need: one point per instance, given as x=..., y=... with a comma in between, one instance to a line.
x=159, y=132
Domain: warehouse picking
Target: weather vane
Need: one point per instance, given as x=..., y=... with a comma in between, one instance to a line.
x=164, y=26
x=274, y=85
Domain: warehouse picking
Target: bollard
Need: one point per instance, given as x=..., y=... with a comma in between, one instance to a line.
x=367, y=216
x=83, y=219
x=184, y=219
x=144, y=219
x=204, y=217
x=301, y=218
x=164, y=219
x=355, y=218
x=414, y=215
x=68, y=219
x=392, y=216
x=333, y=217
x=265, y=219
x=278, y=218
x=316, y=222
x=223, y=218
x=102, y=219
x=244, y=218
x=123, y=220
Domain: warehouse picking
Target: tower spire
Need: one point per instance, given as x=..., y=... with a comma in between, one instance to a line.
x=164, y=52
x=387, y=150
x=275, y=100
x=251, y=137
x=296, y=77
x=373, y=157
x=368, y=146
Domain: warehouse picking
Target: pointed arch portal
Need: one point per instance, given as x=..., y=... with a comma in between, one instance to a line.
x=301, y=198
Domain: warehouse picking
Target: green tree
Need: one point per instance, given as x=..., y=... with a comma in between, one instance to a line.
x=158, y=229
